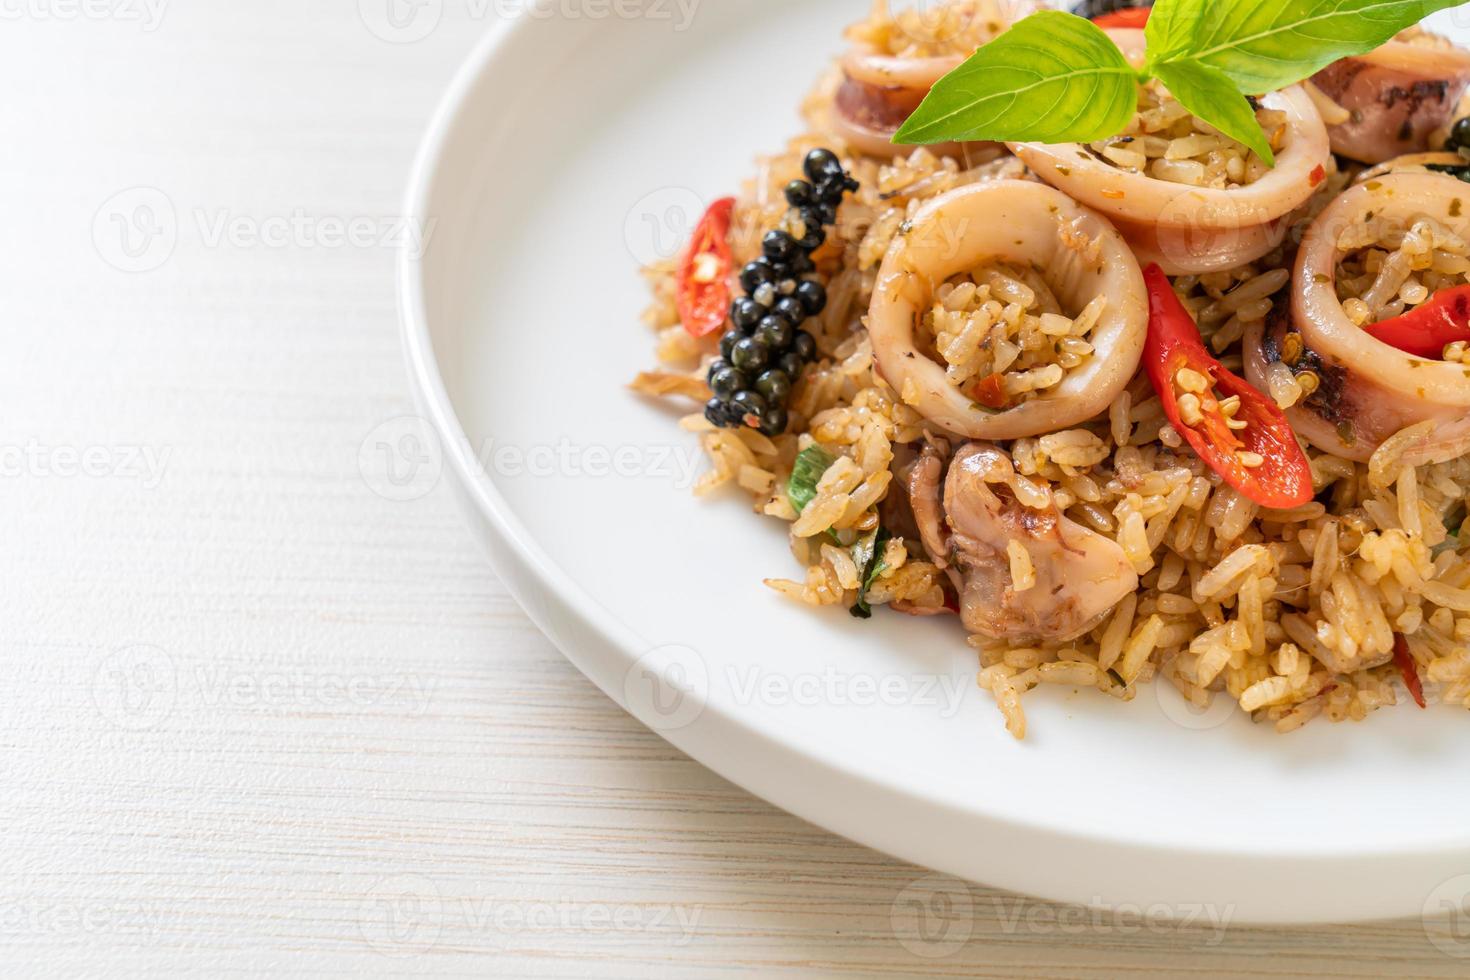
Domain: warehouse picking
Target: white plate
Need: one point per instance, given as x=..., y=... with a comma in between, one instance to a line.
x=561, y=146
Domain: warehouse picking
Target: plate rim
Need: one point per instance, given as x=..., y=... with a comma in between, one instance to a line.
x=528, y=570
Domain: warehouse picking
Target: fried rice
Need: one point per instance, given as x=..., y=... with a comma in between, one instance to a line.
x=1292, y=614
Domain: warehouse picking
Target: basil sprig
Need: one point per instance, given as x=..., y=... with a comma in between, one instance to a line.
x=1056, y=78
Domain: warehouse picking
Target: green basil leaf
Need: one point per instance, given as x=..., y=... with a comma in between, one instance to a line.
x=1269, y=44
x=810, y=464
x=1208, y=94
x=867, y=555
x=1052, y=78
x=1171, y=28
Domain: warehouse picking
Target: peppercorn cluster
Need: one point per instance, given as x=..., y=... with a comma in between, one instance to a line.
x=765, y=349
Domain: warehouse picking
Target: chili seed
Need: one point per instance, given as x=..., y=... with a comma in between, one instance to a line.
x=1250, y=460
x=1309, y=382
x=1189, y=410
x=1191, y=380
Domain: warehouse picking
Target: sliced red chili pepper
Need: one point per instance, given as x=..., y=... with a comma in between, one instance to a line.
x=1426, y=330
x=1408, y=668
x=989, y=391
x=704, y=271
x=1132, y=17
x=1282, y=477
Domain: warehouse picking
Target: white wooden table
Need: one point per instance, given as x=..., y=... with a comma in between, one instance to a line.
x=256, y=716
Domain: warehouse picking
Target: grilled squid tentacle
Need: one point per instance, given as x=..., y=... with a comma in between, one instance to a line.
x=1078, y=253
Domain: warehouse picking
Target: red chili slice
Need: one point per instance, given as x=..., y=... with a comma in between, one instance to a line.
x=1426, y=330
x=1132, y=17
x=704, y=272
x=1283, y=477
x=1408, y=668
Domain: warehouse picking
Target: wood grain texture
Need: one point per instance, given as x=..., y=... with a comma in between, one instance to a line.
x=256, y=717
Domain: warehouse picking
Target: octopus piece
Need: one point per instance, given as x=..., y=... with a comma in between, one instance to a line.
x=1393, y=98
x=1368, y=390
x=1078, y=254
x=1078, y=575
x=878, y=91
x=1192, y=230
